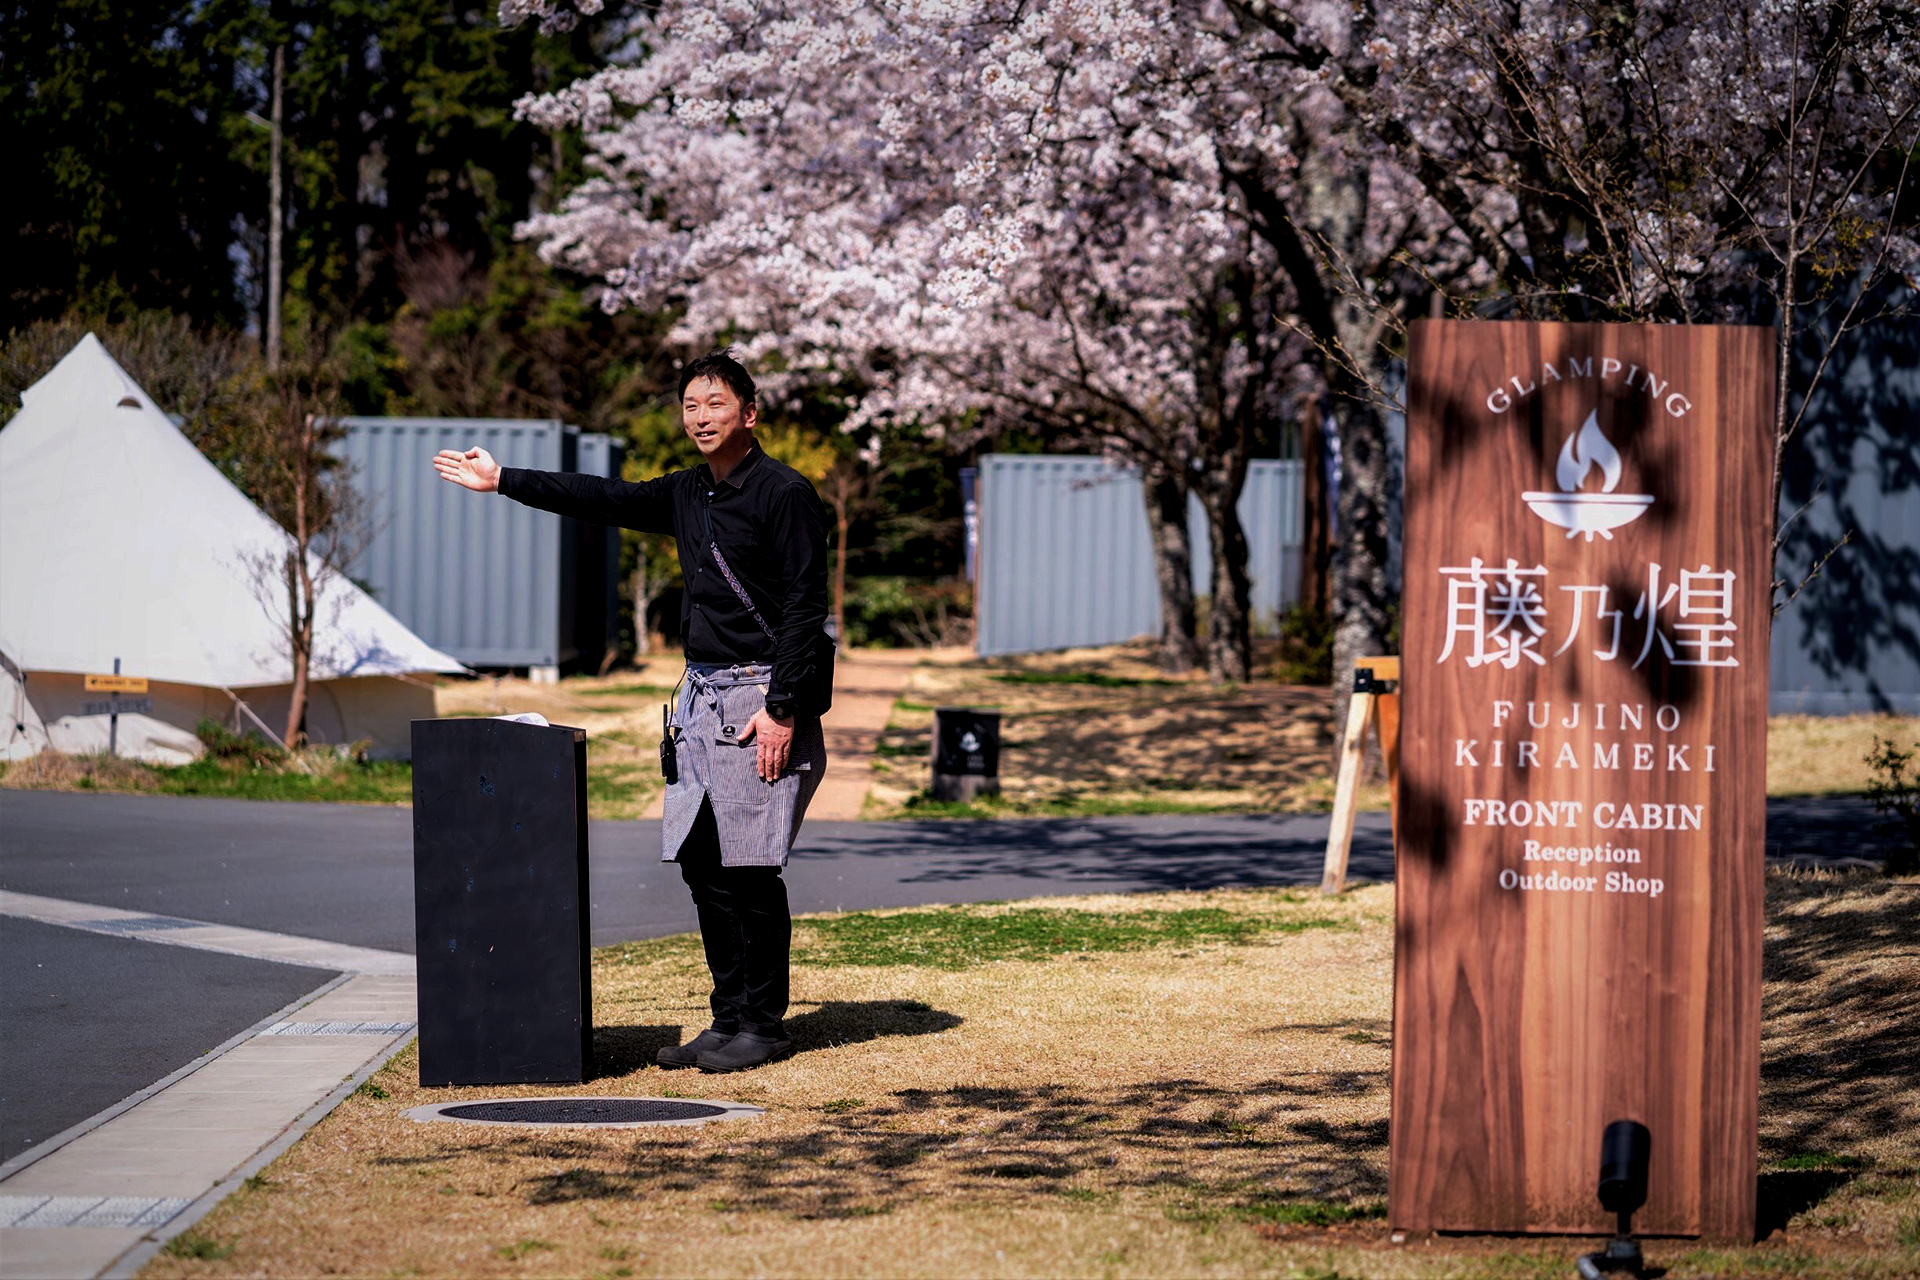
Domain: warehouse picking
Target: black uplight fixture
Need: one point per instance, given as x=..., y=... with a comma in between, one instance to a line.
x=1624, y=1148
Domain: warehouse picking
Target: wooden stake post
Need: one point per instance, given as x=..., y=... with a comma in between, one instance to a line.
x=1376, y=703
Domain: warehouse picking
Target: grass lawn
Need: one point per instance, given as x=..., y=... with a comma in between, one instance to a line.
x=1085, y=733
x=1091, y=732
x=621, y=715
x=1170, y=1084
x=319, y=776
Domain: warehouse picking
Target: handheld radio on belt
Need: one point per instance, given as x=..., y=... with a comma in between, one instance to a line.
x=669, y=757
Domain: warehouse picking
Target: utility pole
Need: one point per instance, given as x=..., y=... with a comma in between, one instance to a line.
x=276, y=217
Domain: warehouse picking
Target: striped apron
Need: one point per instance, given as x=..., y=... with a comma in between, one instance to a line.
x=757, y=820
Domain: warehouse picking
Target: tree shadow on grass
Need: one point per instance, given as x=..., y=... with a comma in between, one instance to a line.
x=1354, y=1030
x=1840, y=1031
x=1212, y=1150
x=1144, y=735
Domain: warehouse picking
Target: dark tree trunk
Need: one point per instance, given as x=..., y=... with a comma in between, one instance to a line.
x=1316, y=540
x=1333, y=201
x=1361, y=591
x=642, y=599
x=1166, y=500
x=1229, y=622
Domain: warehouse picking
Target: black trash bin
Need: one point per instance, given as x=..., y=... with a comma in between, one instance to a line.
x=966, y=753
x=501, y=905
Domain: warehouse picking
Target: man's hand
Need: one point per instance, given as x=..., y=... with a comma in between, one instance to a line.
x=475, y=469
x=776, y=743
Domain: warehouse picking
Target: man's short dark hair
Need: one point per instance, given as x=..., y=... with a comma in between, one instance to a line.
x=720, y=364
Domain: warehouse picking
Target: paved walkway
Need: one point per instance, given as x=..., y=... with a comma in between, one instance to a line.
x=102, y=1197
x=865, y=685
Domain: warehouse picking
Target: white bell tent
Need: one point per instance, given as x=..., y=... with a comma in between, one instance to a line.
x=119, y=539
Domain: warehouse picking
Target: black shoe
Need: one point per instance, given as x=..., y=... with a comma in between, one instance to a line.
x=682, y=1055
x=744, y=1051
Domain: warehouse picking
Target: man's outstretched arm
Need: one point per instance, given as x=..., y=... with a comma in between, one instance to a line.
x=646, y=506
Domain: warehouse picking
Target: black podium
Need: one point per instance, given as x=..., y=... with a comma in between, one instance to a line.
x=500, y=900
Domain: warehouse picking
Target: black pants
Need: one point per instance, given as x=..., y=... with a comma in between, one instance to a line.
x=746, y=930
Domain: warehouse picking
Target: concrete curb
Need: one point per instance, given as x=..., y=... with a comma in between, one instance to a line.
x=130, y=1262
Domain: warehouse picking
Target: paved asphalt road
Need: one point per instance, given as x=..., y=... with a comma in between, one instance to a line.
x=104, y=1016
x=345, y=872
x=90, y=1019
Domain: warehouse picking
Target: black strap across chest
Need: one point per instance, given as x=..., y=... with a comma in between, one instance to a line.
x=726, y=570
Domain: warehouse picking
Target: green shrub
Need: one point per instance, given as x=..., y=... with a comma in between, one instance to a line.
x=1896, y=795
x=895, y=612
x=1306, y=646
x=223, y=743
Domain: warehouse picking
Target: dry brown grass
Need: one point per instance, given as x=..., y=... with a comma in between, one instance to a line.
x=1820, y=755
x=1136, y=739
x=1840, y=1046
x=1139, y=1113
x=1133, y=740
x=1131, y=737
x=56, y=771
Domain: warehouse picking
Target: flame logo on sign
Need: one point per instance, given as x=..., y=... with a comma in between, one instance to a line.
x=1588, y=513
x=1583, y=450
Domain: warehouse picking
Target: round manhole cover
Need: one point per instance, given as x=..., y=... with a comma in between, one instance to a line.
x=618, y=1113
x=584, y=1111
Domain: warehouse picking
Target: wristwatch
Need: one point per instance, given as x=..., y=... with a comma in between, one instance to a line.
x=780, y=708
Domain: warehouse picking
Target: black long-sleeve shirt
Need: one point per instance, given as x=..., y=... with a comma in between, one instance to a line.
x=772, y=533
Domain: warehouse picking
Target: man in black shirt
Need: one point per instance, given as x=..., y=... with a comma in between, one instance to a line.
x=752, y=539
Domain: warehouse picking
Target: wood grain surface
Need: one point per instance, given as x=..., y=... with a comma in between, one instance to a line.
x=1528, y=1014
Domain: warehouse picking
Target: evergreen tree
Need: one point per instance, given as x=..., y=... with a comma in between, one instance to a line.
x=121, y=126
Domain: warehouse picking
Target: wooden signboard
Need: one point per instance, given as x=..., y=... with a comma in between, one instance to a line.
x=1583, y=773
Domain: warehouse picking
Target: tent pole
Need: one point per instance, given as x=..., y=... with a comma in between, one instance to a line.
x=272, y=737
x=18, y=717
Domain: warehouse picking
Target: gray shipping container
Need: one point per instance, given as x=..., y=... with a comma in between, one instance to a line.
x=1065, y=558
x=1850, y=643
x=1065, y=561
x=492, y=582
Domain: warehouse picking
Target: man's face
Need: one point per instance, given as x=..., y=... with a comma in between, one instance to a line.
x=711, y=414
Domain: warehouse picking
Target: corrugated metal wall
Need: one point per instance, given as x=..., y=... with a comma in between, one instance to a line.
x=1272, y=517
x=1064, y=555
x=1851, y=642
x=482, y=577
x=1066, y=560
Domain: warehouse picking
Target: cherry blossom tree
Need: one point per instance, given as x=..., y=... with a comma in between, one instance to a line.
x=981, y=212
x=1084, y=214
x=1683, y=161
